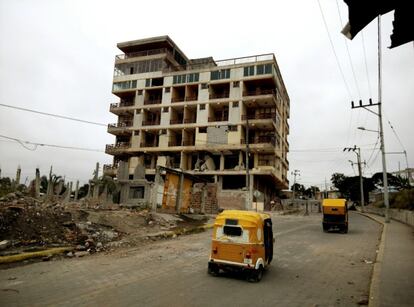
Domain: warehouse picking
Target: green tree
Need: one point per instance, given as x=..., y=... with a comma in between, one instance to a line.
x=311, y=191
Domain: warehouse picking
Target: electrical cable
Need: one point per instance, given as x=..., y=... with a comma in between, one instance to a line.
x=23, y=143
x=53, y=115
x=334, y=52
x=347, y=51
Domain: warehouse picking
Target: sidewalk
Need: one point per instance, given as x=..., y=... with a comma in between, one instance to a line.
x=393, y=277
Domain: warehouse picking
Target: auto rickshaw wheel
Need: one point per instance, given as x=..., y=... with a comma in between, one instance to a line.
x=213, y=269
x=256, y=275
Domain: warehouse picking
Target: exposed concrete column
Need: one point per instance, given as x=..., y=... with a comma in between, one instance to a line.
x=76, y=190
x=50, y=191
x=241, y=158
x=68, y=192
x=222, y=162
x=18, y=174
x=37, y=183
x=153, y=161
x=95, y=180
x=255, y=160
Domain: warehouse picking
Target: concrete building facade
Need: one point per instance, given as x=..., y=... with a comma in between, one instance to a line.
x=195, y=115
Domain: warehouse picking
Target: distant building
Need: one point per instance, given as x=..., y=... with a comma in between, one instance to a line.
x=194, y=114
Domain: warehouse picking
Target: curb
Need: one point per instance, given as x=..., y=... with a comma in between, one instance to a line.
x=374, y=289
x=31, y=255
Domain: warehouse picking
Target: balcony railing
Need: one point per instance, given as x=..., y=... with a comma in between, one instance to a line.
x=152, y=101
x=259, y=92
x=174, y=143
x=141, y=53
x=214, y=119
x=188, y=143
x=117, y=147
x=189, y=120
x=226, y=62
x=150, y=123
x=176, y=121
x=220, y=95
x=121, y=104
x=266, y=162
x=148, y=144
x=126, y=124
x=264, y=139
x=260, y=116
x=191, y=98
x=177, y=99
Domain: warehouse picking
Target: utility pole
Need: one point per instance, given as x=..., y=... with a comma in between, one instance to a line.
x=295, y=173
x=381, y=129
x=357, y=150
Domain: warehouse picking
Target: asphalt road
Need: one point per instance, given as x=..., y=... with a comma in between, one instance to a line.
x=310, y=268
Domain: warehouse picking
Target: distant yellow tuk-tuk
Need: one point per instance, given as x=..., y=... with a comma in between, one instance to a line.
x=335, y=214
x=242, y=240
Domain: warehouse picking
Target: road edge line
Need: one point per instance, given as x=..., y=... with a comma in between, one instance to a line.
x=376, y=271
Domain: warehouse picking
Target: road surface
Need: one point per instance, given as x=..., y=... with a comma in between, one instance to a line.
x=310, y=268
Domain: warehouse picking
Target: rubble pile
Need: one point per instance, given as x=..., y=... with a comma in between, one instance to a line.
x=87, y=225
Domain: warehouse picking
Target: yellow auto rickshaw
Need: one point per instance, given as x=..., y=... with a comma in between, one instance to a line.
x=242, y=240
x=335, y=215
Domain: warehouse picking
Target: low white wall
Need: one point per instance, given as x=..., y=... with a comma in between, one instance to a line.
x=404, y=216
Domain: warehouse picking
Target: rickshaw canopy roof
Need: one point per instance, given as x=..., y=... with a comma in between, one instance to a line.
x=244, y=218
x=334, y=202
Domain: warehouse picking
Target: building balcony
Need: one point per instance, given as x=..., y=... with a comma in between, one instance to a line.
x=112, y=149
x=260, y=116
x=152, y=101
x=265, y=139
x=188, y=143
x=259, y=92
x=121, y=128
x=220, y=95
x=150, y=123
x=189, y=120
x=176, y=122
x=191, y=98
x=148, y=144
x=121, y=107
x=177, y=99
x=214, y=119
x=141, y=54
x=173, y=143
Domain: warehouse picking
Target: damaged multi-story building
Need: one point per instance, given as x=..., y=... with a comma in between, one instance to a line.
x=200, y=116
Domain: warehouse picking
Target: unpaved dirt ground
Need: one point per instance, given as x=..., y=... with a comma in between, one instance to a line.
x=310, y=268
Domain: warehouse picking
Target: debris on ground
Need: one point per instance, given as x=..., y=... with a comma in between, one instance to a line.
x=28, y=224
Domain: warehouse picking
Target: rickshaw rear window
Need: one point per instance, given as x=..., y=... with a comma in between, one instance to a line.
x=232, y=231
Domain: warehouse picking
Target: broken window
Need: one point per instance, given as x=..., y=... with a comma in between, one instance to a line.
x=136, y=192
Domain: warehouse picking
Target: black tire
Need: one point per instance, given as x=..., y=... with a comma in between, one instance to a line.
x=259, y=273
x=256, y=275
x=213, y=269
x=346, y=229
x=325, y=228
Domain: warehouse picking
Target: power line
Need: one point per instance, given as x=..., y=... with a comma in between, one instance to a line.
x=347, y=51
x=24, y=143
x=396, y=135
x=334, y=52
x=53, y=115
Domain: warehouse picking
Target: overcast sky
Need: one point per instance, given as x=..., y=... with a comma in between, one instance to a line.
x=58, y=56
